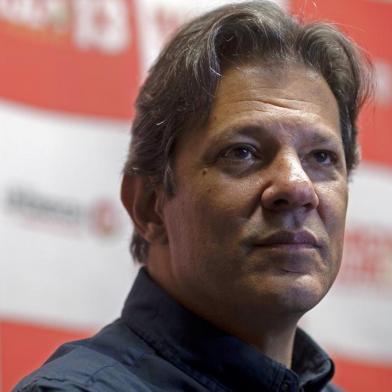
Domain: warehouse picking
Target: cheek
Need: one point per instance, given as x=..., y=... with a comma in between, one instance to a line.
x=210, y=210
x=225, y=204
x=333, y=198
x=332, y=210
x=234, y=196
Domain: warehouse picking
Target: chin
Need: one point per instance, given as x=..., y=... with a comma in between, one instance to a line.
x=301, y=294
x=288, y=294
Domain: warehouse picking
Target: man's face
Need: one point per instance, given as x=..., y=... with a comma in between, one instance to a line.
x=257, y=222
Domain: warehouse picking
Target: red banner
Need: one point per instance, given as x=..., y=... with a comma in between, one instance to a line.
x=74, y=56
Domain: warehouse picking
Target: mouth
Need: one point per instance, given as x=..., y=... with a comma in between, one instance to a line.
x=290, y=252
x=290, y=240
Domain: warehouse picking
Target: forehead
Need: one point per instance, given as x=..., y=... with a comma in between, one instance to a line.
x=267, y=96
x=289, y=92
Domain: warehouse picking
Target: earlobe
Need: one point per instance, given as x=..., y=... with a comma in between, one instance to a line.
x=144, y=201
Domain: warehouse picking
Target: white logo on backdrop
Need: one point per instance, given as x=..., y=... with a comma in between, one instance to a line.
x=101, y=25
x=44, y=212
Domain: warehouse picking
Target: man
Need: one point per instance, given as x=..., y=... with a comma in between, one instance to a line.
x=236, y=182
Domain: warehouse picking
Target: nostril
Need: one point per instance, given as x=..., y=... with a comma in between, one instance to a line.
x=281, y=203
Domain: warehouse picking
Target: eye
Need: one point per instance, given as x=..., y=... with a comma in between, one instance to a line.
x=324, y=157
x=239, y=153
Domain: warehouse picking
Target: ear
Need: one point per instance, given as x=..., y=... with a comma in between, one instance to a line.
x=144, y=201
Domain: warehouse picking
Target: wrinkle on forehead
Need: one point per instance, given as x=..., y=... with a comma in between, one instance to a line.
x=267, y=100
x=261, y=115
x=290, y=88
x=272, y=80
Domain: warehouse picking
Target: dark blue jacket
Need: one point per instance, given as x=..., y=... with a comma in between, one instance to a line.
x=157, y=345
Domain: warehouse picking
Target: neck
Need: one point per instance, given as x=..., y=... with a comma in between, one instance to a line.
x=272, y=336
x=275, y=344
x=256, y=323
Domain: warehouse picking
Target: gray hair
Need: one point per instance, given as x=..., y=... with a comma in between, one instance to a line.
x=179, y=90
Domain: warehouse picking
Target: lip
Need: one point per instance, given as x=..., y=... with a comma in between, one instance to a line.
x=290, y=240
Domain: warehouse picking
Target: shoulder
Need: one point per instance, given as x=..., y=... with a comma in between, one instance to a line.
x=114, y=360
x=82, y=369
x=77, y=371
x=106, y=362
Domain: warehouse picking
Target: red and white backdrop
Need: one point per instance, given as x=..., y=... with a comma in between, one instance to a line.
x=69, y=73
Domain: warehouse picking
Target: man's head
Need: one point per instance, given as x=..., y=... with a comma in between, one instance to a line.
x=244, y=135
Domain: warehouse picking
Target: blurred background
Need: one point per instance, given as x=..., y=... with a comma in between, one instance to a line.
x=69, y=73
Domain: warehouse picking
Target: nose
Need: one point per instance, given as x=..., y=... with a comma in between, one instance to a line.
x=288, y=185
